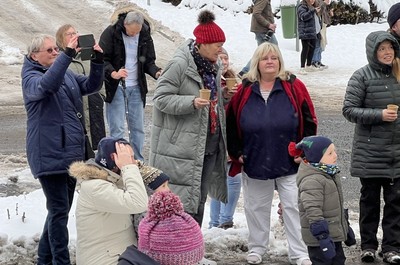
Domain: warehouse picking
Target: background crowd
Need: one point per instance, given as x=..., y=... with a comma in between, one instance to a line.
x=266, y=82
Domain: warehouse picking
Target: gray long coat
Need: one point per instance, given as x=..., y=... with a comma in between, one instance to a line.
x=179, y=131
x=376, y=144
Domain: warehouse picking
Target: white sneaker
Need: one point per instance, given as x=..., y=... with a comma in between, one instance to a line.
x=311, y=68
x=302, y=71
x=254, y=258
x=205, y=261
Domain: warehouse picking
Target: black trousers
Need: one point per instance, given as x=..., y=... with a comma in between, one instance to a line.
x=317, y=258
x=307, y=52
x=370, y=206
x=53, y=244
x=208, y=167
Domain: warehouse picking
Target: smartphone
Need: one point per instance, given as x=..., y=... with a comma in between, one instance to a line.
x=86, y=40
x=87, y=53
x=86, y=43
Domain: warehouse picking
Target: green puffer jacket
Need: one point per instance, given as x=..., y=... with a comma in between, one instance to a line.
x=179, y=131
x=376, y=144
x=320, y=198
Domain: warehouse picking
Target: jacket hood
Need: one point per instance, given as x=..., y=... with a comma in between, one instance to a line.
x=120, y=13
x=91, y=170
x=30, y=65
x=374, y=39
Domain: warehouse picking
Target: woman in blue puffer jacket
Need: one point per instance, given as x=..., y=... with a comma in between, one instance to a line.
x=55, y=135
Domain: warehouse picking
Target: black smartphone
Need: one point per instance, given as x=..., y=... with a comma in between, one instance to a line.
x=87, y=53
x=86, y=43
x=86, y=40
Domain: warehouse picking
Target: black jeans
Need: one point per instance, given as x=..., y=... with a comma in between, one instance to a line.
x=370, y=206
x=307, y=52
x=317, y=258
x=53, y=245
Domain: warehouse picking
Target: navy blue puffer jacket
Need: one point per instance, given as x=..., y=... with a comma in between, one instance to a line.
x=52, y=97
x=306, y=22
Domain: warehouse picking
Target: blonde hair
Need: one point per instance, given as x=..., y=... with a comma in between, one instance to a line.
x=60, y=35
x=396, y=68
x=265, y=48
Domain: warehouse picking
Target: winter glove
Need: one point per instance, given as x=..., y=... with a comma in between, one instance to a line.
x=350, y=238
x=320, y=231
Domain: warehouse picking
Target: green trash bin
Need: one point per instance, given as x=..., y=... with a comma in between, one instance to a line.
x=289, y=21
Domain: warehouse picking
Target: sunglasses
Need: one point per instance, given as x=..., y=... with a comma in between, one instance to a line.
x=51, y=50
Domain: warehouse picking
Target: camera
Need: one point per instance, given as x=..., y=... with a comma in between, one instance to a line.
x=86, y=43
x=268, y=35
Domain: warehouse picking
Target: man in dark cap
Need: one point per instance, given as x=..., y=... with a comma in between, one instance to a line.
x=393, y=21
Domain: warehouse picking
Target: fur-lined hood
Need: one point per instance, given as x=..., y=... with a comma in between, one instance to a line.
x=91, y=170
x=120, y=12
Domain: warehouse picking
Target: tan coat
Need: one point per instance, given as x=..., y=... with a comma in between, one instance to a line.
x=103, y=212
x=262, y=16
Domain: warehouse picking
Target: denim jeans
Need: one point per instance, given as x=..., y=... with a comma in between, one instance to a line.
x=53, y=244
x=317, y=52
x=260, y=40
x=116, y=117
x=220, y=212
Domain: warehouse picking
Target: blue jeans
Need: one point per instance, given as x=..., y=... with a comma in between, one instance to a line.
x=260, y=40
x=220, y=212
x=317, y=52
x=116, y=118
x=53, y=244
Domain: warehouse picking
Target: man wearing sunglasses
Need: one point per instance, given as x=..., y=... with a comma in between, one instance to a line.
x=55, y=135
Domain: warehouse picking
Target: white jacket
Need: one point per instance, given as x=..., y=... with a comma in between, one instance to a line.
x=103, y=212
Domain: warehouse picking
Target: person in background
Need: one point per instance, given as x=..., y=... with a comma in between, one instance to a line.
x=168, y=234
x=221, y=214
x=324, y=225
x=111, y=188
x=270, y=109
x=129, y=54
x=375, y=155
x=93, y=104
x=324, y=20
x=307, y=29
x=263, y=25
x=55, y=137
x=393, y=20
x=188, y=138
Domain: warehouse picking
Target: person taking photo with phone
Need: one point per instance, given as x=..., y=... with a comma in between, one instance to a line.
x=92, y=104
x=55, y=136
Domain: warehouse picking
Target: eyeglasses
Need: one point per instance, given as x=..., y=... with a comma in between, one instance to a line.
x=70, y=34
x=51, y=50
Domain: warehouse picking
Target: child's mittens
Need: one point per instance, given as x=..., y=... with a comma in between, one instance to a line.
x=320, y=231
x=350, y=237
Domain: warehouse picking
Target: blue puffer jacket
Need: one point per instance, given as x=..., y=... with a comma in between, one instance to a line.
x=55, y=136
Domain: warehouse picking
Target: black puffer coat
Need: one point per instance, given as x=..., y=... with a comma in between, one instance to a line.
x=114, y=55
x=376, y=144
x=306, y=21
